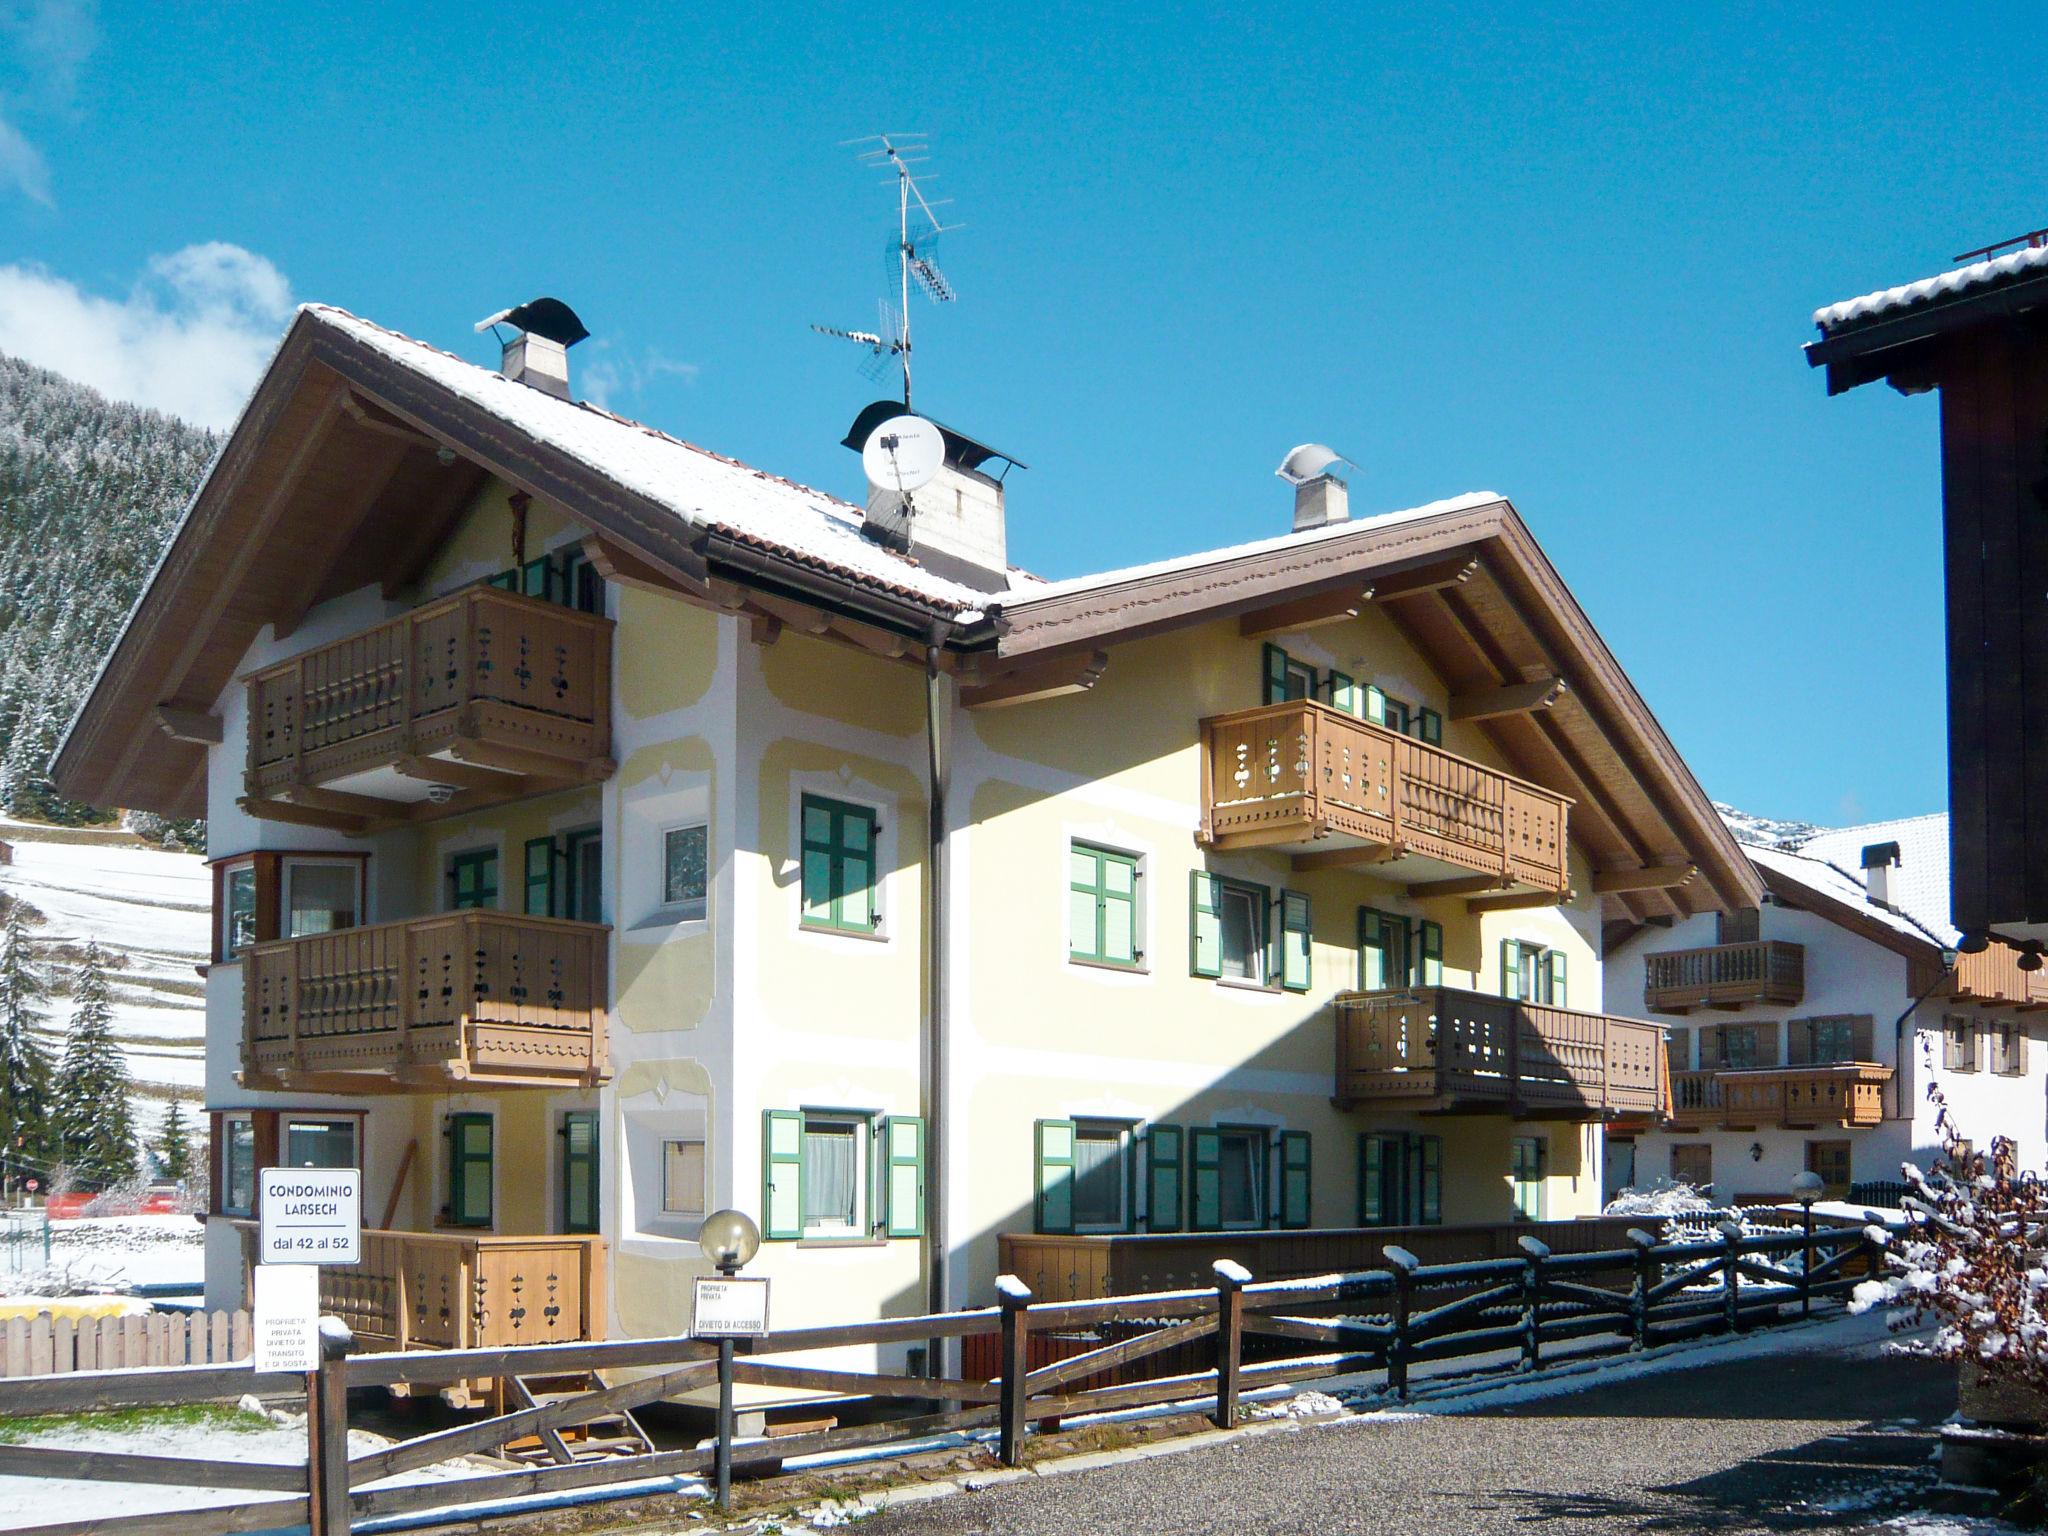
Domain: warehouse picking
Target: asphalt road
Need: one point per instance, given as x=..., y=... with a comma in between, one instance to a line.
x=1769, y=1444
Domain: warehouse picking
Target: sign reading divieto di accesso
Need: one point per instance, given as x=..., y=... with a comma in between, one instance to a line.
x=311, y=1216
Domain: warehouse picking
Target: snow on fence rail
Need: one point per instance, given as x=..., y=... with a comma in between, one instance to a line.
x=47, y=1344
x=1249, y=1334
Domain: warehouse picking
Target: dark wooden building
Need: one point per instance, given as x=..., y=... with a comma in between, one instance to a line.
x=1979, y=335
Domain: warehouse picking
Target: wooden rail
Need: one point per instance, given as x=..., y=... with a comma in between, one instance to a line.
x=1724, y=976
x=478, y=997
x=1992, y=977
x=1394, y=1320
x=460, y=1290
x=1438, y=1048
x=1849, y=1094
x=492, y=692
x=1300, y=772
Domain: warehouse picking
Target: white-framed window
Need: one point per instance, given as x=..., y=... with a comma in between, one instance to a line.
x=319, y=1142
x=835, y=1174
x=682, y=1176
x=1242, y=910
x=685, y=870
x=321, y=895
x=1241, y=1176
x=1102, y=1176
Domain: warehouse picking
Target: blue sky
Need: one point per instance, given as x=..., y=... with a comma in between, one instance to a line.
x=1570, y=260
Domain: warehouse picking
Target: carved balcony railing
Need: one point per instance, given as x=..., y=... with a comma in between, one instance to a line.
x=473, y=998
x=1724, y=976
x=1847, y=1094
x=481, y=697
x=1306, y=776
x=1437, y=1048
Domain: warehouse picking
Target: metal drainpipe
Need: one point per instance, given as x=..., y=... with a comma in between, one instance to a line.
x=935, y=1119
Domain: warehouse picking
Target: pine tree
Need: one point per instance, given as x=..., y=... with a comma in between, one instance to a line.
x=24, y=1064
x=174, y=1143
x=95, y=1126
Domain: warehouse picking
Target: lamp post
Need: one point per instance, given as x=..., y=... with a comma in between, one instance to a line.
x=1807, y=1187
x=729, y=1240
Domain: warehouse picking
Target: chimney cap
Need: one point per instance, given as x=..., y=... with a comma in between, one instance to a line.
x=1309, y=461
x=1880, y=855
x=544, y=317
x=962, y=451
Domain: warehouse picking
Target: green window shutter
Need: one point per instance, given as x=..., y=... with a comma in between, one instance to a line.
x=504, y=581
x=540, y=877
x=469, y=1170
x=782, y=1174
x=1372, y=1163
x=1343, y=693
x=1510, y=968
x=1294, y=941
x=903, y=1166
x=838, y=879
x=1430, y=952
x=1102, y=904
x=1276, y=674
x=1429, y=725
x=1375, y=705
x=1295, y=1184
x=536, y=578
x=580, y=1205
x=1205, y=924
x=1163, y=1153
x=1558, y=994
x=1205, y=1164
x=1054, y=1148
x=1372, y=957
x=1431, y=1149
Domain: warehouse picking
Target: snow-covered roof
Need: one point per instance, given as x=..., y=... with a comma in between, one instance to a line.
x=1927, y=290
x=703, y=488
x=1830, y=863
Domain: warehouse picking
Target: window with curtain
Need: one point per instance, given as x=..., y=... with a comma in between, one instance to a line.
x=1241, y=1177
x=320, y=897
x=682, y=1177
x=1101, y=1176
x=832, y=1160
x=1243, y=926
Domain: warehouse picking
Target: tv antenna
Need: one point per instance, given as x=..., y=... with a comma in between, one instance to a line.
x=911, y=258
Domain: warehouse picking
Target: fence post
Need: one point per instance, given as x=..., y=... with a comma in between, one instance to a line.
x=1533, y=1255
x=1231, y=1278
x=327, y=1432
x=1014, y=1296
x=1404, y=1264
x=1731, y=1245
x=1806, y=1263
x=1646, y=1278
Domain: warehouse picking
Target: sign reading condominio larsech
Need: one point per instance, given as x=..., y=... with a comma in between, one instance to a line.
x=311, y=1216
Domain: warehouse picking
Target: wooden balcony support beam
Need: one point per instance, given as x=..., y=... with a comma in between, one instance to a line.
x=1460, y=885
x=1652, y=877
x=1510, y=699
x=1298, y=613
x=443, y=770
x=299, y=815
x=1433, y=577
x=1349, y=858
x=1520, y=901
x=1068, y=674
x=536, y=765
x=183, y=723
x=629, y=568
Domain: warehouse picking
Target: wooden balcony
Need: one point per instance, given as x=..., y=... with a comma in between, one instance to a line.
x=461, y=1290
x=1302, y=775
x=475, y=998
x=1436, y=1049
x=1726, y=976
x=1847, y=1094
x=482, y=697
x=1991, y=978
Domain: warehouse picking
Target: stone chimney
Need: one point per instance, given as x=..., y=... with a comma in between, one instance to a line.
x=537, y=352
x=1321, y=501
x=1879, y=860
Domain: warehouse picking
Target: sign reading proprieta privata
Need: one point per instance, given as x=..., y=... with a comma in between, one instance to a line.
x=286, y=1318
x=311, y=1216
x=730, y=1308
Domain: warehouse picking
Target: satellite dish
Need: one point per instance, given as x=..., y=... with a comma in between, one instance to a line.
x=1307, y=461
x=902, y=454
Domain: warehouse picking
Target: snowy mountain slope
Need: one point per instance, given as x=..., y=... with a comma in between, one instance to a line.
x=1764, y=831
x=150, y=912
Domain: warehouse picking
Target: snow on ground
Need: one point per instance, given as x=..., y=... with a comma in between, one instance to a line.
x=243, y=1435
x=129, y=1250
x=150, y=910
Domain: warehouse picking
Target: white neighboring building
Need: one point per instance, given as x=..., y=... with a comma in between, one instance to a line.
x=1804, y=1035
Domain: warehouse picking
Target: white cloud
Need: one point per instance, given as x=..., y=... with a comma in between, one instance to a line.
x=191, y=337
x=21, y=164
x=606, y=376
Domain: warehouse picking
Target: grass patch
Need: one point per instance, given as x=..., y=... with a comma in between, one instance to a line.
x=203, y=1416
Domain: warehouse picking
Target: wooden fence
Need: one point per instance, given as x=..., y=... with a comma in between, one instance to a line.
x=49, y=1345
x=1502, y=1314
